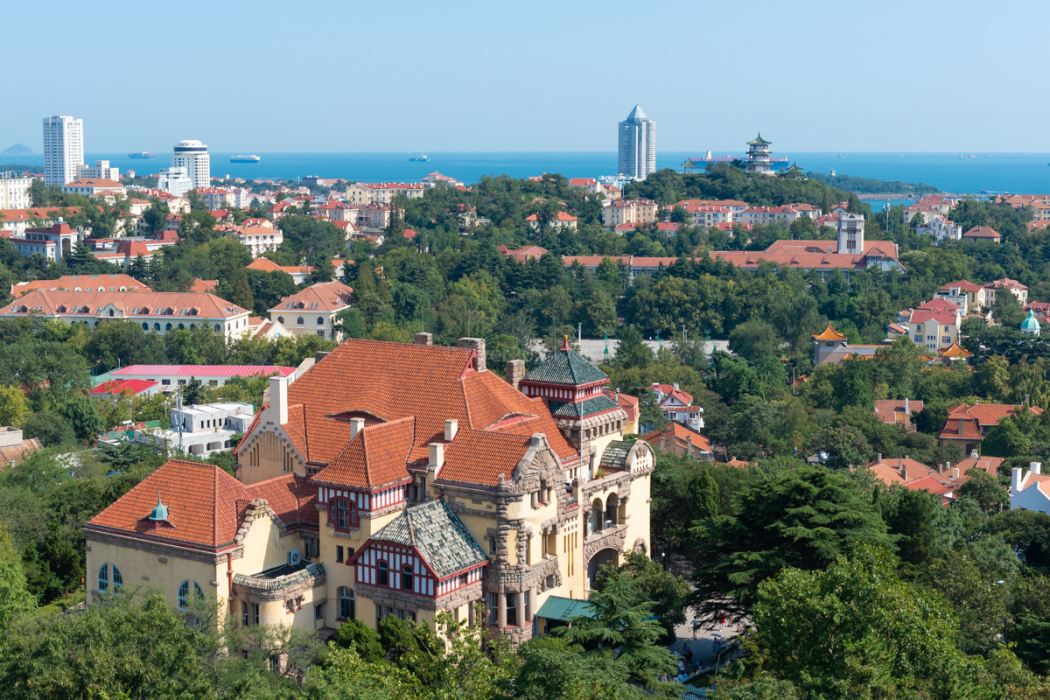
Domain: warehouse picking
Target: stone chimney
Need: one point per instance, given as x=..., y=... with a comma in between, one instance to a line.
x=878, y=457
x=1015, y=480
x=437, y=455
x=451, y=428
x=279, y=399
x=356, y=426
x=478, y=345
x=663, y=442
x=689, y=445
x=424, y=339
x=1036, y=467
x=907, y=412
x=515, y=372
x=676, y=386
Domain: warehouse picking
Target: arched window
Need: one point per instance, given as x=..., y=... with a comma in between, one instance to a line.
x=280, y=319
x=184, y=594
x=118, y=580
x=347, y=604
x=103, y=578
x=300, y=321
x=320, y=320
x=182, y=327
x=156, y=326
x=406, y=578
x=168, y=327
x=383, y=578
x=111, y=312
x=145, y=326
x=109, y=574
x=218, y=327
x=193, y=326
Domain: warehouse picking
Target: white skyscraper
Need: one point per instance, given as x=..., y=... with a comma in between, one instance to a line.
x=193, y=156
x=63, y=149
x=174, y=181
x=637, y=145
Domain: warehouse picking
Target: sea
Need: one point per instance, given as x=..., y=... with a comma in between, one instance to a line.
x=956, y=173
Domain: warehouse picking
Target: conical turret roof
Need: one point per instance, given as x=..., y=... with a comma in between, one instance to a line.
x=1031, y=323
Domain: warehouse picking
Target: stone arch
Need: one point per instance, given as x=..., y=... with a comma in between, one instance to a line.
x=612, y=511
x=602, y=557
x=596, y=521
x=641, y=547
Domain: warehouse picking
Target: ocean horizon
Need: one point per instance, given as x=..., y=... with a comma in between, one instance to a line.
x=956, y=173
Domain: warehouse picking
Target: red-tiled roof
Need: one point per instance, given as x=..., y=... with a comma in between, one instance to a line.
x=981, y=232
x=374, y=457
x=267, y=265
x=891, y=411
x=111, y=283
x=678, y=434
x=203, y=286
x=480, y=458
x=129, y=387
x=899, y=470
x=973, y=418
x=203, y=371
x=50, y=303
x=325, y=296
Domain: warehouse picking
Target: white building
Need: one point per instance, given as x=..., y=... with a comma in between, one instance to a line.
x=637, y=145
x=850, y=234
x=173, y=376
x=942, y=228
x=14, y=191
x=99, y=171
x=63, y=149
x=175, y=181
x=53, y=243
x=256, y=239
x=1030, y=491
x=193, y=155
x=201, y=430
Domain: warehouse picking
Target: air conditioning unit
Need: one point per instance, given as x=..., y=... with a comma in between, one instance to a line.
x=294, y=557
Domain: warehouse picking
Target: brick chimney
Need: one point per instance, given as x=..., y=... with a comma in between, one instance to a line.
x=515, y=372
x=424, y=339
x=478, y=345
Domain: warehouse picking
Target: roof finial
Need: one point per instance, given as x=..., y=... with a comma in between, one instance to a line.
x=565, y=343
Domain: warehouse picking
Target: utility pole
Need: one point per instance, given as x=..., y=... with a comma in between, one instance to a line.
x=178, y=406
x=579, y=331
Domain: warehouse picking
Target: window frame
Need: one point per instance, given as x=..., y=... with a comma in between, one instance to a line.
x=383, y=573
x=406, y=578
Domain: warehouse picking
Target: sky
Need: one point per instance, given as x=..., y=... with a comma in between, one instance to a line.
x=510, y=75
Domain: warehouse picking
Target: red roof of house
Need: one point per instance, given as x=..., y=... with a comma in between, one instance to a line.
x=964, y=285
x=132, y=304
x=203, y=371
x=973, y=418
x=90, y=283
x=324, y=296
x=981, y=232
x=128, y=387
x=899, y=470
x=678, y=434
x=891, y=411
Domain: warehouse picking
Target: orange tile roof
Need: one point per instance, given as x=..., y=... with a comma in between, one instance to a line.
x=83, y=282
x=984, y=464
x=324, y=296
x=955, y=350
x=891, y=411
x=900, y=470
x=101, y=182
x=384, y=382
x=203, y=286
x=981, y=232
x=206, y=505
x=481, y=458
x=53, y=303
x=829, y=334
x=986, y=415
x=374, y=457
x=267, y=265
x=678, y=433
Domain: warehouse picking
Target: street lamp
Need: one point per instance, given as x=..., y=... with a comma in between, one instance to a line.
x=1005, y=642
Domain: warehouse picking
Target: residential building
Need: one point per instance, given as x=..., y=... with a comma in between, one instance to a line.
x=898, y=412
x=942, y=228
x=435, y=178
x=677, y=405
x=101, y=170
x=156, y=311
x=1030, y=490
x=982, y=233
x=676, y=439
x=899, y=470
x=758, y=156
x=170, y=377
x=54, y=243
x=928, y=207
x=202, y=430
x=629, y=211
x=968, y=296
x=193, y=156
x=629, y=404
x=935, y=325
x=63, y=149
x=524, y=254
x=14, y=191
x=216, y=197
x=559, y=220
x=88, y=188
x=16, y=221
x=1006, y=284
x=14, y=448
x=82, y=283
x=637, y=148
x=361, y=193
x=587, y=184
x=299, y=274
x=174, y=180
x=392, y=480
x=967, y=426
x=374, y=216
x=766, y=215
x=313, y=310
x=256, y=239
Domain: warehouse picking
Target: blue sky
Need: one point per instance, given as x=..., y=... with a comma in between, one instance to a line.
x=506, y=75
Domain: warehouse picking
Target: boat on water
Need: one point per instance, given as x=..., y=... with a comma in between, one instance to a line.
x=245, y=159
x=422, y=158
x=141, y=155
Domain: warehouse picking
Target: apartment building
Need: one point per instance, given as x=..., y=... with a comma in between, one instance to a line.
x=91, y=187
x=361, y=193
x=54, y=243
x=257, y=239
x=629, y=211
x=101, y=170
x=63, y=149
x=313, y=310
x=14, y=191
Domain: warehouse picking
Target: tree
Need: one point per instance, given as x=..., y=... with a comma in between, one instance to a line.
x=123, y=343
x=803, y=518
x=631, y=350
x=647, y=582
x=755, y=341
x=986, y=490
x=910, y=516
x=82, y=415
x=14, y=409
x=552, y=668
x=15, y=599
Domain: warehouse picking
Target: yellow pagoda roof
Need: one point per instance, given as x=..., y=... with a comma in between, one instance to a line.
x=955, y=350
x=829, y=334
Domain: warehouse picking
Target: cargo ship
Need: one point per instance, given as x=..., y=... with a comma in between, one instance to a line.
x=141, y=155
x=421, y=159
x=245, y=159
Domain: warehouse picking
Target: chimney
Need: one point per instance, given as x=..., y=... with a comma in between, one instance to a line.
x=356, y=426
x=676, y=386
x=689, y=445
x=878, y=457
x=437, y=455
x=478, y=345
x=451, y=428
x=955, y=472
x=515, y=372
x=1036, y=467
x=907, y=413
x=962, y=429
x=1015, y=480
x=663, y=442
x=424, y=339
x=901, y=468
x=973, y=453
x=279, y=399
x=320, y=355
x=1026, y=397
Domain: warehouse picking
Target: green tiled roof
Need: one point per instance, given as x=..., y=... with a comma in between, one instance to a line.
x=438, y=534
x=582, y=409
x=565, y=367
x=616, y=454
x=759, y=141
x=564, y=609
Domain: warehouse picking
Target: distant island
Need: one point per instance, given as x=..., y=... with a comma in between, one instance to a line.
x=867, y=185
x=19, y=149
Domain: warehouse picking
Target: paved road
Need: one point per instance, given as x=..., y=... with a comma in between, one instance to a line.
x=594, y=349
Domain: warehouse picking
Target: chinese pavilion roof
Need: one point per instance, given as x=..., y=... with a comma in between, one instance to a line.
x=829, y=334
x=439, y=535
x=565, y=366
x=955, y=350
x=759, y=141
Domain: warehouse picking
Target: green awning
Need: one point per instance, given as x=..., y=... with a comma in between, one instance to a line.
x=564, y=609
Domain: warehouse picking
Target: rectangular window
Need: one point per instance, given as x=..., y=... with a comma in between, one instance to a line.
x=342, y=513
x=244, y=613
x=319, y=611
x=493, y=608
x=339, y=553
x=165, y=382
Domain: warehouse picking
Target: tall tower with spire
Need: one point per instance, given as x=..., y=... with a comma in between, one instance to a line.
x=637, y=145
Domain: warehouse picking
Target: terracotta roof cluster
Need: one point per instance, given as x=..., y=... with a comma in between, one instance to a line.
x=375, y=457
x=666, y=391
x=324, y=296
x=182, y=306
x=893, y=411
x=678, y=434
x=972, y=422
x=206, y=506
x=267, y=265
x=43, y=213
x=86, y=283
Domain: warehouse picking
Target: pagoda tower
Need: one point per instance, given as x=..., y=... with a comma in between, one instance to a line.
x=758, y=156
x=574, y=390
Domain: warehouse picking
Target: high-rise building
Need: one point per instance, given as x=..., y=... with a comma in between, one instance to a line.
x=637, y=145
x=63, y=149
x=14, y=191
x=193, y=155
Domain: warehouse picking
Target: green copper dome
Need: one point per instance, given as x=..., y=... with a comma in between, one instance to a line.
x=1031, y=323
